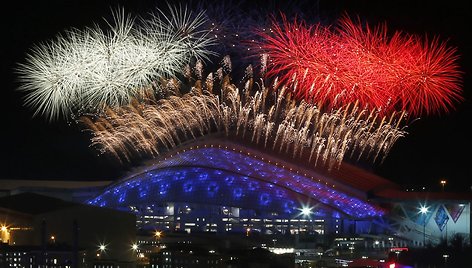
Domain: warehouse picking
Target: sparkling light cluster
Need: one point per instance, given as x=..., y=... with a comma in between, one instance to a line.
x=272, y=121
x=84, y=70
x=355, y=62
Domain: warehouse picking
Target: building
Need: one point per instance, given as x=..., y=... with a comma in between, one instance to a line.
x=44, y=230
x=35, y=256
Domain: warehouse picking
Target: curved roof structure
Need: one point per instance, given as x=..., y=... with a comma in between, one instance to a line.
x=219, y=172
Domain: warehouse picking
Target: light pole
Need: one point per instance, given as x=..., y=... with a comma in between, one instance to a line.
x=424, y=210
x=158, y=235
x=101, y=250
x=443, y=183
x=445, y=256
x=306, y=212
x=135, y=248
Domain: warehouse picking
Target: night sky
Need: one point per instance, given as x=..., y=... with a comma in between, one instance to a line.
x=437, y=147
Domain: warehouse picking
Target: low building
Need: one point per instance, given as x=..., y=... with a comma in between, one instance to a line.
x=37, y=226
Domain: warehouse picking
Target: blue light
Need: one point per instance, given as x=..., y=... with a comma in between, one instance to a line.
x=203, y=177
x=188, y=186
x=264, y=199
x=143, y=192
x=164, y=187
x=122, y=197
x=212, y=189
x=279, y=193
x=253, y=186
x=229, y=180
x=237, y=193
x=289, y=206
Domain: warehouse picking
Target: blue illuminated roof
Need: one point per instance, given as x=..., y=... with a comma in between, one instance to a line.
x=227, y=176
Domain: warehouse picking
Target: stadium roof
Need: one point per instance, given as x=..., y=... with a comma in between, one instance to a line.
x=347, y=177
x=346, y=189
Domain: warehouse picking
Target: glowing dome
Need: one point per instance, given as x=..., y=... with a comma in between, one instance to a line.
x=227, y=174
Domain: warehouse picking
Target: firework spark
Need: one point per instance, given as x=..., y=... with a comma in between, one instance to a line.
x=84, y=70
x=356, y=63
x=272, y=121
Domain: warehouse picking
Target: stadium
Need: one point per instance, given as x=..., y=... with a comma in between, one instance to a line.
x=215, y=185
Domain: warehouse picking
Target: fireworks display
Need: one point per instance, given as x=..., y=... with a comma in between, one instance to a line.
x=353, y=63
x=324, y=93
x=273, y=121
x=84, y=70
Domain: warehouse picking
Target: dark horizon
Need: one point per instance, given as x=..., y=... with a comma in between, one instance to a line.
x=435, y=148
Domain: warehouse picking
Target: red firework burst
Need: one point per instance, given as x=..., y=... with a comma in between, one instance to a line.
x=356, y=63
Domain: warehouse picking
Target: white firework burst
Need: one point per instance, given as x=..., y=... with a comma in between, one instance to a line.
x=86, y=70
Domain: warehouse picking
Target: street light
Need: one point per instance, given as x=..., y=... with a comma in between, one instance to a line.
x=306, y=211
x=443, y=183
x=158, y=235
x=424, y=210
x=101, y=249
x=4, y=234
x=445, y=256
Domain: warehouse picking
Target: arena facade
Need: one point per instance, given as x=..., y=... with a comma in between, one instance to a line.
x=216, y=185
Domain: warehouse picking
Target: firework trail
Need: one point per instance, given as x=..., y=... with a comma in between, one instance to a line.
x=85, y=70
x=271, y=121
x=334, y=67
